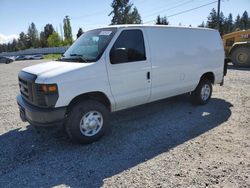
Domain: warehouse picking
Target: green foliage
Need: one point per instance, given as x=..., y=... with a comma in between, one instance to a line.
x=161, y=20
x=43, y=40
x=48, y=30
x=22, y=41
x=54, y=40
x=135, y=17
x=202, y=24
x=227, y=24
x=237, y=23
x=244, y=21
x=222, y=23
x=67, y=31
x=52, y=56
x=124, y=13
x=212, y=19
x=44, y=35
x=33, y=40
x=79, y=33
x=14, y=45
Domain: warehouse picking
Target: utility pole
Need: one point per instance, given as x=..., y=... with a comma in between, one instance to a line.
x=218, y=15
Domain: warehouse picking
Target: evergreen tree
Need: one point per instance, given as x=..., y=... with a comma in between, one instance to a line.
x=123, y=13
x=14, y=45
x=44, y=35
x=228, y=27
x=22, y=41
x=202, y=24
x=48, y=30
x=33, y=40
x=244, y=20
x=43, y=40
x=237, y=23
x=79, y=33
x=212, y=19
x=158, y=20
x=161, y=20
x=67, y=31
x=222, y=23
x=135, y=17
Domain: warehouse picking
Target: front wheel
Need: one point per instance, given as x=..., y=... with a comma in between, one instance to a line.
x=202, y=94
x=87, y=122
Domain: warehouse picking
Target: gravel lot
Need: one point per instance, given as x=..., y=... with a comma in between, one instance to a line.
x=170, y=143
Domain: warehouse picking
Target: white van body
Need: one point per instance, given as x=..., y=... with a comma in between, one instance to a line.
x=176, y=59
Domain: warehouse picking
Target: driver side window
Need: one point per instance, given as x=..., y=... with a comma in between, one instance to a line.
x=129, y=47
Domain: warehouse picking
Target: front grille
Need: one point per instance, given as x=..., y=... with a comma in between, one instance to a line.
x=26, y=85
x=24, y=88
x=32, y=92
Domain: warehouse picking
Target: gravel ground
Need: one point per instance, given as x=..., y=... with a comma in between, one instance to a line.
x=169, y=143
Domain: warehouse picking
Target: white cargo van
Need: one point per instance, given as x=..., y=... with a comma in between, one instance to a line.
x=118, y=67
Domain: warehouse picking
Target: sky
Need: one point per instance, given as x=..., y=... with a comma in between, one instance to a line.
x=17, y=15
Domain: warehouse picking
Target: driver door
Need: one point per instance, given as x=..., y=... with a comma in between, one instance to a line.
x=129, y=69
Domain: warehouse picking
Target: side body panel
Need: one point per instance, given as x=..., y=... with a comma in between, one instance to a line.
x=180, y=56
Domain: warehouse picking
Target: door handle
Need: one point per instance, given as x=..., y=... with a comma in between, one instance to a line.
x=148, y=75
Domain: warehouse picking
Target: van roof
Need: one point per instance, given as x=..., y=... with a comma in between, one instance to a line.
x=156, y=26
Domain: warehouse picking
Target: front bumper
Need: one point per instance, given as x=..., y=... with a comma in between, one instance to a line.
x=40, y=116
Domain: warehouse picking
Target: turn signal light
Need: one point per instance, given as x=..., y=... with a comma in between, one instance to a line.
x=50, y=88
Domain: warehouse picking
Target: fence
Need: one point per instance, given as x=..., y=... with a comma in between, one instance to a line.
x=53, y=50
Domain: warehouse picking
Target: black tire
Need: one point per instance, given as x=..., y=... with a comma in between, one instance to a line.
x=197, y=93
x=72, y=123
x=241, y=56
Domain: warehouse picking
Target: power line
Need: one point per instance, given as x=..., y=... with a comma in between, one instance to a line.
x=87, y=15
x=99, y=12
x=185, y=11
x=171, y=8
x=163, y=6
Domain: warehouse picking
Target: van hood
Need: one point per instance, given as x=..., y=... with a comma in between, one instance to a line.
x=54, y=68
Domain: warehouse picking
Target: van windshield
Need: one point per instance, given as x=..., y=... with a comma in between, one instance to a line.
x=90, y=46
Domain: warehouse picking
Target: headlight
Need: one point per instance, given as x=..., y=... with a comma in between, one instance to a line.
x=46, y=95
x=48, y=88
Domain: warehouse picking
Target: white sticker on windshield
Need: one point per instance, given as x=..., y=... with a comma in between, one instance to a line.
x=106, y=33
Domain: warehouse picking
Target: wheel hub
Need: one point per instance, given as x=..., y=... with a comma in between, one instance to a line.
x=242, y=57
x=205, y=92
x=91, y=123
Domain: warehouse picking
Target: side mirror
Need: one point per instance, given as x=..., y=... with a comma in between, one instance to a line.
x=118, y=55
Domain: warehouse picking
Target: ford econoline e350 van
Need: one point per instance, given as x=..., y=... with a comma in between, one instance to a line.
x=118, y=67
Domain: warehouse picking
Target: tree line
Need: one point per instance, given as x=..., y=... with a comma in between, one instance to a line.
x=227, y=24
x=123, y=12
x=48, y=37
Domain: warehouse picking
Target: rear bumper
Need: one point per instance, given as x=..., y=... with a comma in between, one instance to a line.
x=40, y=116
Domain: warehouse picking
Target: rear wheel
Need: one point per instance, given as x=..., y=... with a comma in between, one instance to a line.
x=241, y=57
x=202, y=94
x=87, y=122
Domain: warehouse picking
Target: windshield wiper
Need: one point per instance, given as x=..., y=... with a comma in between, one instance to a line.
x=79, y=56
